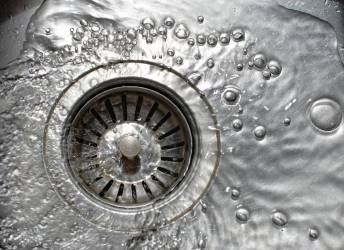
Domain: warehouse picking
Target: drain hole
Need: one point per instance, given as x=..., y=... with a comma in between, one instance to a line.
x=152, y=111
x=171, y=132
x=106, y=188
x=138, y=107
x=168, y=172
x=147, y=189
x=109, y=108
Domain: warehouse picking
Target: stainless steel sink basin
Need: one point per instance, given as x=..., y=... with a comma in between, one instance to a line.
x=171, y=125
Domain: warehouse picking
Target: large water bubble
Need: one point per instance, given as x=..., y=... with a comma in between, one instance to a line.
x=259, y=61
x=326, y=114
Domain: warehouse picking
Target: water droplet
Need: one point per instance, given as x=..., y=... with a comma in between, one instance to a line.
x=149, y=39
x=131, y=33
x=240, y=66
x=95, y=28
x=63, y=111
x=148, y=23
x=237, y=124
x=266, y=74
x=83, y=22
x=105, y=32
x=313, y=233
x=204, y=207
x=326, y=115
x=162, y=30
x=259, y=61
x=225, y=38
x=287, y=121
x=153, y=32
x=279, y=219
x=198, y=56
x=202, y=241
x=179, y=60
x=238, y=34
x=200, y=19
x=47, y=31
x=242, y=214
x=140, y=29
x=181, y=31
x=235, y=194
x=201, y=39
x=210, y=63
x=212, y=40
x=231, y=95
x=169, y=22
x=259, y=132
x=170, y=52
x=191, y=42
x=194, y=77
x=250, y=64
x=275, y=67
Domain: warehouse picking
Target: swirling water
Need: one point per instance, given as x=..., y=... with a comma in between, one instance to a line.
x=274, y=79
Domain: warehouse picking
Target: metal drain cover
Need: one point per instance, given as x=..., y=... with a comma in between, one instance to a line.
x=134, y=149
x=129, y=146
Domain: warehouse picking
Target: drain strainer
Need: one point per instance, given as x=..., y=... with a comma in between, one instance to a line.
x=131, y=146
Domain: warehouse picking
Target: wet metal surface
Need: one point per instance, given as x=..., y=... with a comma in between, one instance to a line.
x=264, y=82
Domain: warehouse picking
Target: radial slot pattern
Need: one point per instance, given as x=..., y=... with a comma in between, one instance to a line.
x=128, y=146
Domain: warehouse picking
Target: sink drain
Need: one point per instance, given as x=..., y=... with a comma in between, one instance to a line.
x=131, y=146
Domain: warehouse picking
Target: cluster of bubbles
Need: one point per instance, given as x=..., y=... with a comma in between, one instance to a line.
x=279, y=218
x=91, y=36
x=182, y=32
x=211, y=40
x=223, y=38
x=87, y=40
x=231, y=96
x=269, y=68
x=150, y=31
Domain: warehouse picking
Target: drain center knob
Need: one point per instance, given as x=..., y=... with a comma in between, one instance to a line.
x=129, y=146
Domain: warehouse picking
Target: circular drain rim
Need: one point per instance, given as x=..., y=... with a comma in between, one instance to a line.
x=163, y=211
x=128, y=86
